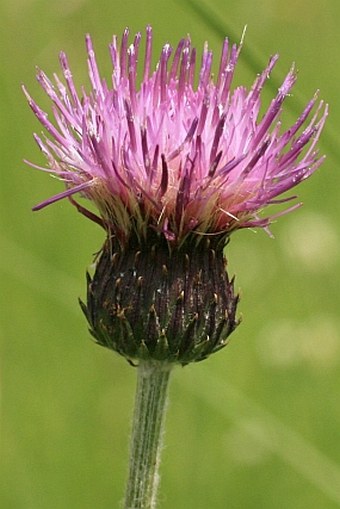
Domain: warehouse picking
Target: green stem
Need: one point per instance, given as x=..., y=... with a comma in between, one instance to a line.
x=146, y=438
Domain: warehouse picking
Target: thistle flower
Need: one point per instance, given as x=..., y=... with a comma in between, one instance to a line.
x=174, y=165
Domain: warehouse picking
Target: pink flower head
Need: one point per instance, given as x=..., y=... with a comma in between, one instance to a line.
x=170, y=154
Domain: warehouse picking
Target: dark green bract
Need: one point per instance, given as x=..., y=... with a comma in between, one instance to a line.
x=149, y=301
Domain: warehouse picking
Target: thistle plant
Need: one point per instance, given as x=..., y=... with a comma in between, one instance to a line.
x=174, y=160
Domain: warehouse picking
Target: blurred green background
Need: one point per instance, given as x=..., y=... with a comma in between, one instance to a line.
x=258, y=424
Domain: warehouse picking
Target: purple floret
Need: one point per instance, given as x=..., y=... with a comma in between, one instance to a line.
x=180, y=152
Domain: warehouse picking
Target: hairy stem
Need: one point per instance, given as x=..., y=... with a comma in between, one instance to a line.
x=146, y=438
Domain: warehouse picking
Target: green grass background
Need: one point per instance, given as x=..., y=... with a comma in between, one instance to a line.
x=258, y=424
